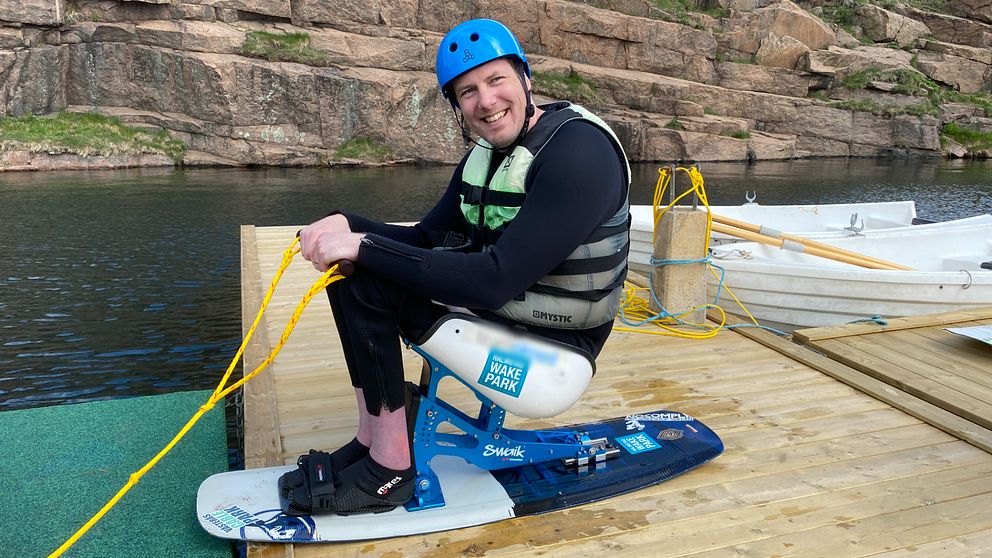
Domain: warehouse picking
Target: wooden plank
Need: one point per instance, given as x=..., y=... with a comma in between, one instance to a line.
x=903, y=355
x=832, y=332
x=806, y=456
x=851, y=351
x=262, y=440
x=793, y=398
x=969, y=352
x=941, y=418
x=700, y=359
x=884, y=532
x=971, y=545
x=932, y=359
x=660, y=521
x=805, y=443
x=793, y=418
x=749, y=520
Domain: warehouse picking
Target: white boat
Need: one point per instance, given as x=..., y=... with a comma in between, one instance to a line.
x=952, y=270
x=641, y=250
x=808, y=221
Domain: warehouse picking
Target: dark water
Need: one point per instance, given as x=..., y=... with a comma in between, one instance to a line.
x=125, y=283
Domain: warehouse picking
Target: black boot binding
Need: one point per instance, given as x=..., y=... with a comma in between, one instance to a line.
x=341, y=458
x=315, y=493
x=349, y=481
x=360, y=488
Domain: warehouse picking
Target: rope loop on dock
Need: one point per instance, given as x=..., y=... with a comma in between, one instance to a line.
x=635, y=310
x=222, y=390
x=872, y=319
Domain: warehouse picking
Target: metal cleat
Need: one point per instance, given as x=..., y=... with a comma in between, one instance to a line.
x=594, y=451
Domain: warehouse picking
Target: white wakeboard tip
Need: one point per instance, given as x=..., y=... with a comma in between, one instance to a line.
x=245, y=505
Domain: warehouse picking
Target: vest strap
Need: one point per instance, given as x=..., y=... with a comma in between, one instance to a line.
x=590, y=265
x=479, y=195
x=594, y=296
x=599, y=233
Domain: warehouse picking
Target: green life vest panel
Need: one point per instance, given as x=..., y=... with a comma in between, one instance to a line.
x=584, y=290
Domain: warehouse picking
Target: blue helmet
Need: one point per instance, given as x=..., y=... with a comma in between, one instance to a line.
x=472, y=44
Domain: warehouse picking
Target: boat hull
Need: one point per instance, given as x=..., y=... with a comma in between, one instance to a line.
x=810, y=221
x=797, y=289
x=816, y=297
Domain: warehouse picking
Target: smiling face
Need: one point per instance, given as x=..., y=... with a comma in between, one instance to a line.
x=493, y=102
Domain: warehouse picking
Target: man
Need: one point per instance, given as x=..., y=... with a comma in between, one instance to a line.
x=532, y=232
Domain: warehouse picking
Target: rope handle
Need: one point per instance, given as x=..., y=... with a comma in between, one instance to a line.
x=337, y=271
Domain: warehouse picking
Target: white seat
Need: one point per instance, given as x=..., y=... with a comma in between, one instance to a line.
x=528, y=375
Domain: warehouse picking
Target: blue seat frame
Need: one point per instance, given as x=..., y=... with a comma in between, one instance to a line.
x=482, y=440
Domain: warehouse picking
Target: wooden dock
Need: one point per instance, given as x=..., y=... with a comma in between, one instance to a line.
x=945, y=379
x=813, y=465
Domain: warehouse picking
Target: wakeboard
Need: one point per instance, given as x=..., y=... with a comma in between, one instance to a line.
x=654, y=447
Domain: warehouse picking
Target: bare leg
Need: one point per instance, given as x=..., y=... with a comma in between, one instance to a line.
x=390, y=441
x=364, y=435
x=385, y=435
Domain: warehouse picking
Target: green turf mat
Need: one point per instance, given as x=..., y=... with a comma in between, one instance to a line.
x=60, y=465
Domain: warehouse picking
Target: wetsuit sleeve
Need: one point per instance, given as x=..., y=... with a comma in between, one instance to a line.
x=428, y=232
x=575, y=184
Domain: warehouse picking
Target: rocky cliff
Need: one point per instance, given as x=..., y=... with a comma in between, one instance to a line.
x=740, y=80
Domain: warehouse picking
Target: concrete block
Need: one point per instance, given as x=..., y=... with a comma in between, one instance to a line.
x=680, y=235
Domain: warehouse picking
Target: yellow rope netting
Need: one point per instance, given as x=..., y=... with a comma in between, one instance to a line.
x=328, y=277
x=635, y=308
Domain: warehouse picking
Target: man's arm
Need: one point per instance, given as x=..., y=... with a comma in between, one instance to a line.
x=337, y=236
x=428, y=232
x=576, y=184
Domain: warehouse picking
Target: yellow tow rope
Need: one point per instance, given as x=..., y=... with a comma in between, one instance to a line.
x=632, y=306
x=329, y=276
x=635, y=310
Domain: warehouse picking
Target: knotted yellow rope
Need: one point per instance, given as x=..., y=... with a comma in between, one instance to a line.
x=328, y=277
x=635, y=310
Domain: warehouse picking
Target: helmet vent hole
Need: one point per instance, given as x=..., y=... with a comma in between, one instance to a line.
x=473, y=37
x=453, y=47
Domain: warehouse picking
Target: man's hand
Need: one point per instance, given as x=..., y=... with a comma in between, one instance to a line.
x=329, y=240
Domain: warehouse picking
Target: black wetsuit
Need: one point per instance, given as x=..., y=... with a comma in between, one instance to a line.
x=576, y=183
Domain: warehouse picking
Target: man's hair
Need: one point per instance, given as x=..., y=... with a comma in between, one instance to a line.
x=518, y=65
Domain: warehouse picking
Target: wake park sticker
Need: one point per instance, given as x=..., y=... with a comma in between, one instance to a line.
x=505, y=372
x=637, y=443
x=230, y=518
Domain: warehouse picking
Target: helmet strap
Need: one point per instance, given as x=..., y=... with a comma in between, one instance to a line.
x=528, y=113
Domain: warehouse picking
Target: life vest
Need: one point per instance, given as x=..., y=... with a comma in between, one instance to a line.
x=584, y=290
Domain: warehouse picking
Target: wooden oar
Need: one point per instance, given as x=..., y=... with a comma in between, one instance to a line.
x=751, y=232
x=806, y=242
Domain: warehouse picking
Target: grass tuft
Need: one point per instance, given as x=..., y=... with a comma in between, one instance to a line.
x=282, y=47
x=363, y=149
x=571, y=87
x=974, y=140
x=679, y=11
x=674, y=124
x=736, y=134
x=912, y=82
x=85, y=134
